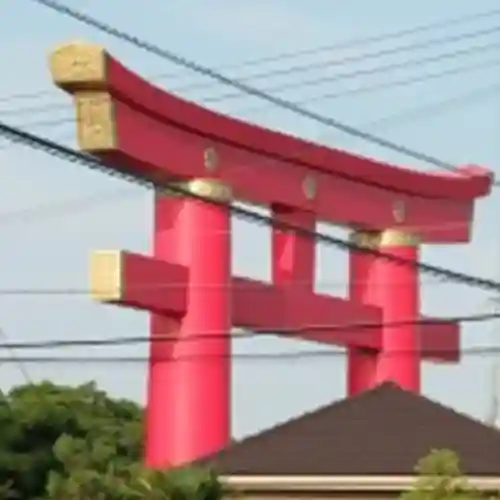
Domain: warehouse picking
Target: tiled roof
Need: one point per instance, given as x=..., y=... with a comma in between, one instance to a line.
x=383, y=431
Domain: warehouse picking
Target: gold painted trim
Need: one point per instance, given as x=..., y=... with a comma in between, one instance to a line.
x=79, y=64
x=211, y=189
x=96, y=126
x=341, y=483
x=397, y=237
x=365, y=239
x=106, y=275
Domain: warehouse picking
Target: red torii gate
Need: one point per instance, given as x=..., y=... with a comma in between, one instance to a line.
x=125, y=120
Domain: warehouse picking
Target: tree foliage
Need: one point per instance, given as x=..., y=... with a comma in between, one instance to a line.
x=440, y=478
x=77, y=443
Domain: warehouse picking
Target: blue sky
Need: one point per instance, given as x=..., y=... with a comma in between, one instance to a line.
x=53, y=213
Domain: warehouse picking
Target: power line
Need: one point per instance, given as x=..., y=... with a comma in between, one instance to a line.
x=67, y=291
x=413, y=113
x=363, y=89
x=436, y=106
x=247, y=89
x=263, y=356
x=119, y=171
x=349, y=44
x=362, y=72
x=328, y=64
x=66, y=206
x=327, y=330
x=330, y=78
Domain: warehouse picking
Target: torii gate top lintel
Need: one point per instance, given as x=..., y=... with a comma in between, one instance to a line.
x=115, y=106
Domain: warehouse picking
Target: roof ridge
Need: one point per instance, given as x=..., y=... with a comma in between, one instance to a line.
x=403, y=424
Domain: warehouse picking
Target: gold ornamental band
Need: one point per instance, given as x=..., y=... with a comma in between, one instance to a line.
x=387, y=238
x=106, y=275
x=95, y=119
x=211, y=189
x=80, y=65
x=365, y=239
x=398, y=237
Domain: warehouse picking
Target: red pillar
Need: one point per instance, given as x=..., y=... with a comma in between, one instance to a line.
x=399, y=297
x=293, y=254
x=188, y=412
x=362, y=363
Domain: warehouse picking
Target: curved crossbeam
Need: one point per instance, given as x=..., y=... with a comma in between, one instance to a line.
x=184, y=140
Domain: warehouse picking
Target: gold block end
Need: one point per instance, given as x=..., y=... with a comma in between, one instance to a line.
x=78, y=64
x=106, y=273
x=96, y=129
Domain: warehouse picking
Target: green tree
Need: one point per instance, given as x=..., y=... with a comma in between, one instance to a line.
x=134, y=483
x=440, y=478
x=47, y=427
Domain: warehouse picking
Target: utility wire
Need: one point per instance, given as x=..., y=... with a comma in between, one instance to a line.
x=432, y=109
x=327, y=330
x=246, y=89
x=402, y=82
x=349, y=44
x=261, y=356
x=64, y=152
x=45, y=108
x=409, y=113
x=481, y=48
x=65, y=207
x=368, y=56
x=67, y=292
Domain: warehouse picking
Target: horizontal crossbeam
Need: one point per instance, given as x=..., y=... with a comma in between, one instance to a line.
x=149, y=284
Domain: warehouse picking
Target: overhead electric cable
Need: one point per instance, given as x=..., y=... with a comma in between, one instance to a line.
x=348, y=44
x=308, y=82
x=305, y=354
x=362, y=72
x=215, y=75
x=119, y=171
x=403, y=82
x=428, y=110
x=431, y=109
x=327, y=329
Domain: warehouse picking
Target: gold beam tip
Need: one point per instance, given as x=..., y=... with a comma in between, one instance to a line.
x=78, y=63
x=106, y=275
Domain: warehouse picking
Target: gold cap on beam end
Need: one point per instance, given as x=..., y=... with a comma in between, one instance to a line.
x=96, y=128
x=79, y=65
x=106, y=275
x=211, y=189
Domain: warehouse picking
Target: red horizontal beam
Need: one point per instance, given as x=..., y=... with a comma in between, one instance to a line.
x=154, y=132
x=154, y=285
